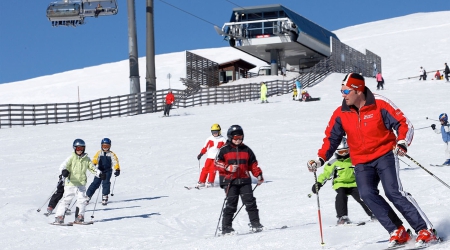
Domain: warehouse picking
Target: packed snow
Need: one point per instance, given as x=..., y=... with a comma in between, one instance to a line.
x=151, y=209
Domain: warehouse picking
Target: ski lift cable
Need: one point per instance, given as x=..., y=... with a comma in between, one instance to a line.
x=187, y=12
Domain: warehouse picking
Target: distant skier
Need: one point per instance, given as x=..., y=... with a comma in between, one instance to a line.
x=298, y=84
x=446, y=72
x=341, y=172
x=235, y=161
x=423, y=74
x=380, y=81
x=263, y=92
x=294, y=92
x=170, y=99
x=106, y=161
x=74, y=170
x=445, y=131
x=211, y=147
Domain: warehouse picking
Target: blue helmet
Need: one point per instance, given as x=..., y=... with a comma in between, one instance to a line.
x=106, y=141
x=443, y=117
x=78, y=143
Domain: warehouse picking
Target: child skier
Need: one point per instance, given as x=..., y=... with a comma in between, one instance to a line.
x=212, y=145
x=74, y=170
x=235, y=160
x=57, y=195
x=106, y=161
x=341, y=172
x=445, y=131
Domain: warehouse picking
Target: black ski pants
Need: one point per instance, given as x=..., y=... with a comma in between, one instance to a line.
x=167, y=109
x=342, y=201
x=57, y=195
x=246, y=193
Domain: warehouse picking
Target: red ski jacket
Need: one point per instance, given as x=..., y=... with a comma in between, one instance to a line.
x=370, y=131
x=170, y=98
x=242, y=156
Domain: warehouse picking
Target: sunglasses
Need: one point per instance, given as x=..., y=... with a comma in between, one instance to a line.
x=238, y=137
x=346, y=91
x=79, y=148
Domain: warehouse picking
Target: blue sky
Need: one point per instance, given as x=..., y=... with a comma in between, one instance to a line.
x=31, y=47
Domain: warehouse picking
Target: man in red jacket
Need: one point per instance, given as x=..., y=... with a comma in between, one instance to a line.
x=235, y=161
x=369, y=121
x=170, y=99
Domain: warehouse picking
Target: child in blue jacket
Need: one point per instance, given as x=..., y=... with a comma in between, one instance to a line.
x=445, y=131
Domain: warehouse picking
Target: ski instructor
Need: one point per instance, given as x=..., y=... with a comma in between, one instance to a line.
x=369, y=121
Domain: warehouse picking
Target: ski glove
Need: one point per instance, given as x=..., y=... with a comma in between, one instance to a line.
x=232, y=168
x=433, y=126
x=100, y=174
x=199, y=156
x=401, y=148
x=65, y=173
x=117, y=173
x=260, y=179
x=319, y=185
x=313, y=165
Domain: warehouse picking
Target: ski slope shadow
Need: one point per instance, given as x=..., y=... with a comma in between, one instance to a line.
x=112, y=208
x=144, y=216
x=138, y=199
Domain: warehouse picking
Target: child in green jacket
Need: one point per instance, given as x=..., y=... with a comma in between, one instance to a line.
x=341, y=172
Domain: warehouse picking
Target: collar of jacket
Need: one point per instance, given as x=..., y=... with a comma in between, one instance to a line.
x=370, y=99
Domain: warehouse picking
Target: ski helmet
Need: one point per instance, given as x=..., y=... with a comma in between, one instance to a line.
x=78, y=143
x=235, y=130
x=216, y=127
x=342, y=150
x=106, y=141
x=443, y=117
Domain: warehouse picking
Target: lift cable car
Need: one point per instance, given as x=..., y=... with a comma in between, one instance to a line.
x=73, y=12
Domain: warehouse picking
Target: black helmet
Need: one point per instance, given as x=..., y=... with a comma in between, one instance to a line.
x=235, y=130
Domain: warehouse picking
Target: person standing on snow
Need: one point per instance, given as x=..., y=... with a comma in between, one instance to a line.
x=212, y=145
x=445, y=131
x=263, y=93
x=423, y=74
x=74, y=170
x=235, y=161
x=57, y=195
x=105, y=160
x=379, y=81
x=299, y=89
x=446, y=71
x=341, y=172
x=369, y=121
x=170, y=99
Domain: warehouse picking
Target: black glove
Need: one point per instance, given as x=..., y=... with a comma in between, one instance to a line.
x=199, y=156
x=65, y=173
x=433, y=126
x=103, y=176
x=319, y=185
x=117, y=173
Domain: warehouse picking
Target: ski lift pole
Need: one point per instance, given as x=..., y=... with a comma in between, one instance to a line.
x=426, y=170
x=318, y=210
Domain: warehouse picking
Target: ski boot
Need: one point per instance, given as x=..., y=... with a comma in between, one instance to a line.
x=426, y=236
x=59, y=220
x=256, y=227
x=227, y=230
x=200, y=184
x=343, y=220
x=79, y=219
x=400, y=236
x=104, y=200
x=209, y=184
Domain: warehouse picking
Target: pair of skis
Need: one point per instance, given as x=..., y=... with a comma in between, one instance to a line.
x=69, y=224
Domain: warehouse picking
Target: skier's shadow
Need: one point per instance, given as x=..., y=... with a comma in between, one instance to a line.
x=112, y=208
x=129, y=217
x=139, y=199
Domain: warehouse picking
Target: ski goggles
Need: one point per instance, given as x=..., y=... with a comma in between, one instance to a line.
x=342, y=151
x=237, y=137
x=79, y=148
x=215, y=132
x=346, y=91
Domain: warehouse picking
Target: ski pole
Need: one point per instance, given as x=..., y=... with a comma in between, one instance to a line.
x=96, y=201
x=39, y=209
x=112, y=192
x=405, y=162
x=318, y=210
x=422, y=128
x=431, y=119
x=309, y=195
x=418, y=164
x=223, y=205
x=242, y=205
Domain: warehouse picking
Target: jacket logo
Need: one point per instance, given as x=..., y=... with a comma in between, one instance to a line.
x=368, y=116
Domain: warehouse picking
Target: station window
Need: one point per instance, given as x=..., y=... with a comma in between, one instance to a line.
x=271, y=15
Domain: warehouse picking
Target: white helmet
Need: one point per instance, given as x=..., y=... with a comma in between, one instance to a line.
x=343, y=149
